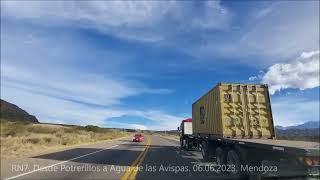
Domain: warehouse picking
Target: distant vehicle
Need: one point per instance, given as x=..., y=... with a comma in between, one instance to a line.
x=233, y=123
x=137, y=138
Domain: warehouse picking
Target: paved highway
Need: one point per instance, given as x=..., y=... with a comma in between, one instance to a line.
x=154, y=158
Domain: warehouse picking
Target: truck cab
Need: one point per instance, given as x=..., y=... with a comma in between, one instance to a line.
x=186, y=134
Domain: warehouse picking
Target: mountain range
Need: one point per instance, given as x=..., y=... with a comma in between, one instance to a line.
x=306, y=125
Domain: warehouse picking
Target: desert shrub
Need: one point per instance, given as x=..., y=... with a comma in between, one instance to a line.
x=33, y=140
x=70, y=139
x=47, y=139
x=70, y=130
x=58, y=134
x=19, y=139
x=12, y=129
x=93, y=128
x=64, y=141
x=42, y=129
x=11, y=132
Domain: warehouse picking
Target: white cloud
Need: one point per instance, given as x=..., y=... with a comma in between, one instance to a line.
x=65, y=67
x=253, y=78
x=311, y=54
x=266, y=11
x=74, y=85
x=303, y=73
x=138, y=126
x=58, y=78
x=279, y=31
x=128, y=126
x=164, y=121
x=289, y=111
x=284, y=29
x=139, y=20
x=56, y=110
x=215, y=16
x=96, y=13
x=87, y=88
x=75, y=97
x=273, y=33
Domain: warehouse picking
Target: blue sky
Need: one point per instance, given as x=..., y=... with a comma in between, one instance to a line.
x=141, y=64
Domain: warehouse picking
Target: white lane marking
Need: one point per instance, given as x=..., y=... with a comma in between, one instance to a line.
x=19, y=175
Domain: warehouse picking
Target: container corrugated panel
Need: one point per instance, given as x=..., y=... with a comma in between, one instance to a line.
x=234, y=111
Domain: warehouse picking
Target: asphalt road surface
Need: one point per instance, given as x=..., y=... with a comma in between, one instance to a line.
x=154, y=158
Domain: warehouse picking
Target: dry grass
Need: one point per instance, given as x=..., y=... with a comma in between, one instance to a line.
x=22, y=139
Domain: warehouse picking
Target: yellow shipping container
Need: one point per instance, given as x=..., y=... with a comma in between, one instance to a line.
x=234, y=111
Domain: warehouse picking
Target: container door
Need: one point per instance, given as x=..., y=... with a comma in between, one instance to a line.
x=250, y=112
x=259, y=118
x=246, y=113
x=234, y=116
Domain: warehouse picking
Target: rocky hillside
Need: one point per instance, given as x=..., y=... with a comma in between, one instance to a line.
x=11, y=112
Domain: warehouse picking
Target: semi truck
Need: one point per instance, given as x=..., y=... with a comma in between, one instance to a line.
x=232, y=124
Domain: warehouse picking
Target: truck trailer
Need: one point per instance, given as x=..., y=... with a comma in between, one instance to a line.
x=233, y=125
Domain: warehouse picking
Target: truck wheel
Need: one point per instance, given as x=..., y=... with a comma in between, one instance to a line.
x=181, y=143
x=187, y=145
x=204, y=151
x=233, y=160
x=220, y=156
